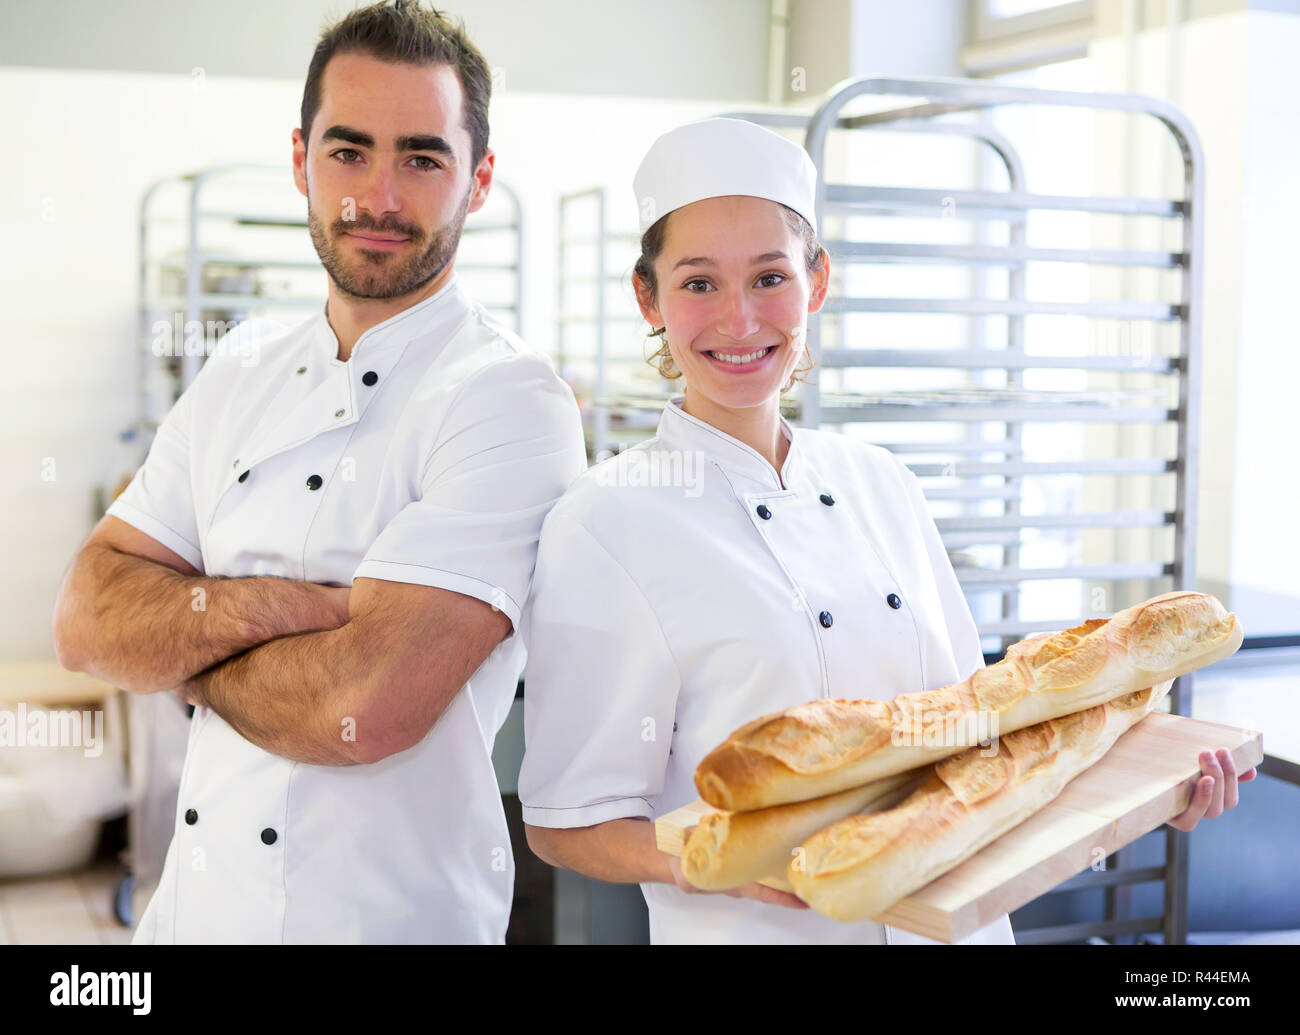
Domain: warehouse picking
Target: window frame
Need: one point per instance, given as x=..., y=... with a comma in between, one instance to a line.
x=1016, y=42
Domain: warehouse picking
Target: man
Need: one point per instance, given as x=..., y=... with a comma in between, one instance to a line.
x=338, y=782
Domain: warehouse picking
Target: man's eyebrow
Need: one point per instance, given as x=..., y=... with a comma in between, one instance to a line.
x=415, y=142
x=702, y=260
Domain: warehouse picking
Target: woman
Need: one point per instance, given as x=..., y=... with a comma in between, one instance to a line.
x=731, y=566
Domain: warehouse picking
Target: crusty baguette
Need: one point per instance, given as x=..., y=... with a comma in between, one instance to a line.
x=857, y=868
x=827, y=746
x=728, y=849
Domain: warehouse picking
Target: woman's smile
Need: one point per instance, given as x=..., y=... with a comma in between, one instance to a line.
x=741, y=360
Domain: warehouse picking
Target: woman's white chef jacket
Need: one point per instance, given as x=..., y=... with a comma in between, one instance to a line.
x=430, y=457
x=681, y=592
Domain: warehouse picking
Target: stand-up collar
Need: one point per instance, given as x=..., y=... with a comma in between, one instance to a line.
x=679, y=430
x=448, y=304
x=320, y=392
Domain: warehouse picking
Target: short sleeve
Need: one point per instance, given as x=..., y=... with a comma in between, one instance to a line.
x=509, y=445
x=600, y=687
x=159, y=500
x=962, y=630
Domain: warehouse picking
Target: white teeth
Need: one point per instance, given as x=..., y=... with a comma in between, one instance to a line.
x=749, y=358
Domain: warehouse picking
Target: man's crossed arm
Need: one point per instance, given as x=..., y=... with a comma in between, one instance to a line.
x=312, y=673
x=361, y=692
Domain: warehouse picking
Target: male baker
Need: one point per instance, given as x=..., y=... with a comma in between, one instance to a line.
x=327, y=551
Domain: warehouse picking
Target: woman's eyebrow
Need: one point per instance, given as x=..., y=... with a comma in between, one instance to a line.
x=702, y=260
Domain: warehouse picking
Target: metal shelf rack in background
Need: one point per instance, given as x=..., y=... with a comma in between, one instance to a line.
x=1165, y=391
x=619, y=394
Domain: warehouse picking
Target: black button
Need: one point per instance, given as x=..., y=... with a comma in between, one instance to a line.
x=826, y=619
x=763, y=512
x=315, y=482
x=268, y=836
x=827, y=498
x=894, y=601
x=244, y=477
x=369, y=377
x=191, y=817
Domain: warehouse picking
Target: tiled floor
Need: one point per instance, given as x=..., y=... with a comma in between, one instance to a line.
x=66, y=909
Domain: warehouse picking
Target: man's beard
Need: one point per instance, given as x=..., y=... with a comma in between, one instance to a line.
x=384, y=275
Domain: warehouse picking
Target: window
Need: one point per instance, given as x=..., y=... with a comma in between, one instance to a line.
x=1005, y=35
x=995, y=9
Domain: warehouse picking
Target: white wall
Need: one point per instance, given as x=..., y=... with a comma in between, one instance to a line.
x=916, y=39
x=643, y=48
x=1267, y=488
x=831, y=40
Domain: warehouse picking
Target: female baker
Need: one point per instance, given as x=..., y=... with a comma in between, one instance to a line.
x=732, y=565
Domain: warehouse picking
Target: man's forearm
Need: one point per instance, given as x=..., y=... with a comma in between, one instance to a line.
x=145, y=627
x=300, y=697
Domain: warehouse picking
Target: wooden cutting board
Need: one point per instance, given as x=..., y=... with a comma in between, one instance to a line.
x=1147, y=777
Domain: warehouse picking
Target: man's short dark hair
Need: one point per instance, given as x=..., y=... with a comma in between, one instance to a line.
x=405, y=31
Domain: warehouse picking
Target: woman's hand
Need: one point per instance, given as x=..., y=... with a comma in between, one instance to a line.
x=1215, y=791
x=761, y=892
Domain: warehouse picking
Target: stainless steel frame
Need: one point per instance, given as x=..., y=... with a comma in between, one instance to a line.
x=589, y=209
x=942, y=97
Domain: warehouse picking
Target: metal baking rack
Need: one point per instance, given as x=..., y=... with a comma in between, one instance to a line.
x=979, y=386
x=598, y=348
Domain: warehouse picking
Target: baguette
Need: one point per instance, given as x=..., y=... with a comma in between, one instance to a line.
x=728, y=849
x=857, y=868
x=827, y=746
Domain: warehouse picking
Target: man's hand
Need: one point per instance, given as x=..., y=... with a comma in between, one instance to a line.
x=1215, y=792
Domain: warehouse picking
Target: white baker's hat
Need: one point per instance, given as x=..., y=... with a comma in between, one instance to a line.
x=719, y=157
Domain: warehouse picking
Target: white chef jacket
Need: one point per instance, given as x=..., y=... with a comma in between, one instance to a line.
x=430, y=457
x=681, y=592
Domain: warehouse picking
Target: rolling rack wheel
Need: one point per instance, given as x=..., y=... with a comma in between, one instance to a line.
x=122, y=899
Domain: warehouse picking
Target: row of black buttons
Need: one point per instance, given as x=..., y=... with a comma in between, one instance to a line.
x=313, y=483
x=766, y=514
x=893, y=600
x=369, y=378
x=269, y=835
